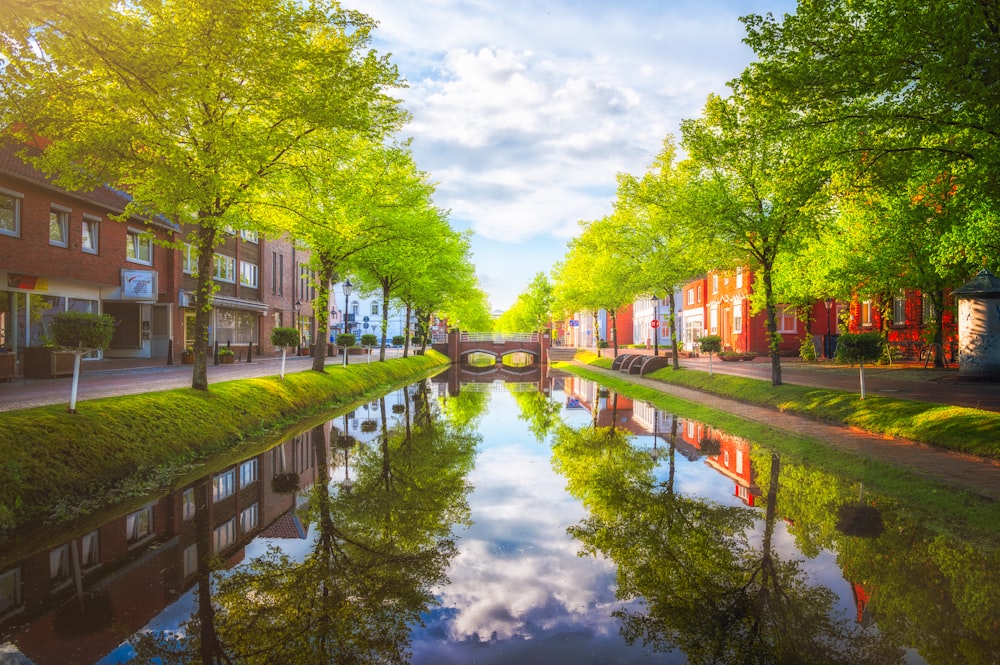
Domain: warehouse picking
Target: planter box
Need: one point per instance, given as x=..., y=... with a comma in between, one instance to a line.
x=735, y=357
x=8, y=366
x=41, y=362
x=227, y=359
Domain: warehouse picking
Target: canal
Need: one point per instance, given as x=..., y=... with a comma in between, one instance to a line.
x=506, y=516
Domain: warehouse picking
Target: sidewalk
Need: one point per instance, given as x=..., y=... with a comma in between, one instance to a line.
x=113, y=377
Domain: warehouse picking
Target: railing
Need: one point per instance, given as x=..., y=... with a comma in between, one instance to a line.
x=498, y=338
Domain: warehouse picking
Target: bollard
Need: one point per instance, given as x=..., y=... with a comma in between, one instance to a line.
x=215, y=353
x=170, y=351
x=250, y=352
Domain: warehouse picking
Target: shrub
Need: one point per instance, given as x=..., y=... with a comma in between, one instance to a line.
x=859, y=347
x=710, y=344
x=398, y=340
x=226, y=351
x=285, y=337
x=369, y=340
x=807, y=350
x=82, y=330
x=346, y=339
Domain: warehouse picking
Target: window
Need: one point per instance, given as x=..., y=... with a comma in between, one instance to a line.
x=699, y=293
x=786, y=319
x=248, y=472
x=223, y=485
x=10, y=590
x=190, y=259
x=738, y=316
x=715, y=283
x=225, y=268
x=374, y=309
x=10, y=217
x=187, y=504
x=355, y=309
x=249, y=236
x=278, y=459
x=739, y=278
x=89, y=234
x=866, y=313
x=190, y=560
x=224, y=535
x=248, y=519
x=277, y=274
x=713, y=320
x=139, y=248
x=59, y=227
x=59, y=565
x=929, y=314
x=306, y=289
x=90, y=552
x=899, y=309
x=691, y=296
x=248, y=274
x=139, y=525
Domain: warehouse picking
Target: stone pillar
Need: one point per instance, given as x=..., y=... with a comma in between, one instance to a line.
x=979, y=327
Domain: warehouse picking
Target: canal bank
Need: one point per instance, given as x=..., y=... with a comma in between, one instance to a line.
x=130, y=439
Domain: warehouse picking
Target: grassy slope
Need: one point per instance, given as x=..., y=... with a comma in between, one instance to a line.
x=972, y=431
x=944, y=509
x=117, y=438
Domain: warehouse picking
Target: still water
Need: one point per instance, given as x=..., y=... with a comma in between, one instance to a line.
x=538, y=520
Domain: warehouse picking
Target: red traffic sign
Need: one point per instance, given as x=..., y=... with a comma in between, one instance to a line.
x=655, y=323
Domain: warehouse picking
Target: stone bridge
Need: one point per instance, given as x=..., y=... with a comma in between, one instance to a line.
x=459, y=345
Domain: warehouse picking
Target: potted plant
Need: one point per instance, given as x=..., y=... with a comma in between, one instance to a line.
x=736, y=356
x=187, y=356
x=227, y=356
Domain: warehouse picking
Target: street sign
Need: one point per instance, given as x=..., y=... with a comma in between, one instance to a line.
x=655, y=324
x=573, y=323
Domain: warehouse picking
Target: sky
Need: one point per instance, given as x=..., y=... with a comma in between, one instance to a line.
x=523, y=112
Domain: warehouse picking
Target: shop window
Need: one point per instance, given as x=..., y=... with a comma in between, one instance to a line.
x=139, y=247
x=59, y=227
x=10, y=213
x=89, y=234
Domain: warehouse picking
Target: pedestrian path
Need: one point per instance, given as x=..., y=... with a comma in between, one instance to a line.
x=978, y=475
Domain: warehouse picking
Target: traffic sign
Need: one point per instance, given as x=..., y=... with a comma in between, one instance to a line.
x=655, y=324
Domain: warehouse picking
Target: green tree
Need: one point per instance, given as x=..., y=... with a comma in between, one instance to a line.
x=759, y=197
x=194, y=111
x=81, y=333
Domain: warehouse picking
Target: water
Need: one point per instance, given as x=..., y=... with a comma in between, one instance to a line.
x=498, y=523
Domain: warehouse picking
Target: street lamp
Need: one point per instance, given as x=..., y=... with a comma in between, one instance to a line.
x=348, y=287
x=828, y=303
x=656, y=328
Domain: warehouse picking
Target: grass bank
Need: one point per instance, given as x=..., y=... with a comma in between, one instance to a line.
x=942, y=508
x=49, y=455
x=960, y=429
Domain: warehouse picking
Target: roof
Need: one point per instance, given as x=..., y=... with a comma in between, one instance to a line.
x=13, y=165
x=984, y=283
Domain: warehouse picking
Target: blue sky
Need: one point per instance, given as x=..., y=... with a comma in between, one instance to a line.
x=524, y=112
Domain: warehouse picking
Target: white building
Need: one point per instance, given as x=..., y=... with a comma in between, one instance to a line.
x=364, y=315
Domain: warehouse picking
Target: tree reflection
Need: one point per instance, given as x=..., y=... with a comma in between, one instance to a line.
x=714, y=586
x=539, y=411
x=382, y=544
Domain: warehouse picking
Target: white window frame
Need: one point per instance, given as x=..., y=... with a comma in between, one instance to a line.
x=188, y=505
x=715, y=283
x=866, y=314
x=223, y=485
x=139, y=525
x=739, y=278
x=59, y=566
x=90, y=550
x=249, y=274
x=374, y=309
x=737, y=316
x=59, y=218
x=249, y=518
x=927, y=312
x=224, y=268
x=248, y=472
x=136, y=241
x=899, y=309
x=189, y=260
x=224, y=536
x=783, y=315
x=190, y=560
x=713, y=320
x=11, y=599
x=250, y=236
x=691, y=296
x=92, y=226
x=15, y=198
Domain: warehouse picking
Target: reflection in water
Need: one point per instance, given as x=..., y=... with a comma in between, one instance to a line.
x=445, y=523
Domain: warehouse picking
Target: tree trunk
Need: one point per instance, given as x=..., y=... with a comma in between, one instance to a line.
x=937, y=301
x=614, y=330
x=321, y=310
x=385, y=321
x=204, y=295
x=406, y=331
x=673, y=331
x=773, y=339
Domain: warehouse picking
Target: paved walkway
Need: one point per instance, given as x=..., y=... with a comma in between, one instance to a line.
x=111, y=378
x=977, y=475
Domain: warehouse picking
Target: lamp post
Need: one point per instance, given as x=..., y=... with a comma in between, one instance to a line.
x=828, y=303
x=348, y=287
x=656, y=329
